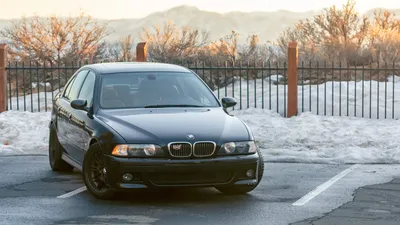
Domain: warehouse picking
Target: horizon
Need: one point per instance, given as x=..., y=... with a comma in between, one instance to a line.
x=125, y=9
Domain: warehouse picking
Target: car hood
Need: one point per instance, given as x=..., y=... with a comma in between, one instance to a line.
x=161, y=126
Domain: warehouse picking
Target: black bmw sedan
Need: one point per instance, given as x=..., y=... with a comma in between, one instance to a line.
x=150, y=125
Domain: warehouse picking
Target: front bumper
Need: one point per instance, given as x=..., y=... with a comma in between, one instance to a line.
x=213, y=172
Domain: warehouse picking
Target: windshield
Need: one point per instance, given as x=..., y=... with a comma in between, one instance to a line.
x=154, y=90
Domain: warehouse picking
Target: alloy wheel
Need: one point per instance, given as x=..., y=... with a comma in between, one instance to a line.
x=98, y=173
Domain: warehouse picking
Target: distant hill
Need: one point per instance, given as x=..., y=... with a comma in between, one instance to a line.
x=268, y=25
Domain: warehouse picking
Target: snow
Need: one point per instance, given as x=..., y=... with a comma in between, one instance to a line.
x=307, y=138
x=37, y=102
x=34, y=84
x=393, y=78
x=23, y=132
x=275, y=78
x=364, y=99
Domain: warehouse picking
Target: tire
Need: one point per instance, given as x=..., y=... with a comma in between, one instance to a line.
x=55, y=153
x=239, y=190
x=95, y=174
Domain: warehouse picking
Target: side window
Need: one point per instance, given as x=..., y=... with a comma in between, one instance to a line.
x=76, y=86
x=86, y=92
x=68, y=88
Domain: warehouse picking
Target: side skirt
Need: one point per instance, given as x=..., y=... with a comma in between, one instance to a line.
x=70, y=161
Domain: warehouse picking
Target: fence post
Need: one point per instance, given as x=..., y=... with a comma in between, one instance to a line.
x=141, y=52
x=292, y=79
x=3, y=78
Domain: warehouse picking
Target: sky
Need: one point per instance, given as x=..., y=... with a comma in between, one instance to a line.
x=119, y=9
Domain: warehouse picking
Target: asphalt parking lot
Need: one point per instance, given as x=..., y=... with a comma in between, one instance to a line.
x=30, y=193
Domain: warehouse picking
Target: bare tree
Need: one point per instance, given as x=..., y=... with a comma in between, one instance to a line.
x=253, y=51
x=384, y=37
x=122, y=50
x=54, y=38
x=227, y=47
x=333, y=34
x=174, y=44
x=305, y=33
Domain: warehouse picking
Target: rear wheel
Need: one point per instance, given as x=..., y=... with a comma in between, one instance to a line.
x=237, y=190
x=55, y=153
x=95, y=173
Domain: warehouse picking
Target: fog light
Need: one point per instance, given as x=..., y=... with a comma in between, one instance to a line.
x=150, y=150
x=249, y=173
x=127, y=177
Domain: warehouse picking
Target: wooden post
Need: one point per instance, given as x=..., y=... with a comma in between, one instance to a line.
x=292, y=79
x=3, y=78
x=141, y=52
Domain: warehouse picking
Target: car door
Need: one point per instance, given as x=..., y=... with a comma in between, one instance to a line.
x=81, y=120
x=62, y=119
x=68, y=111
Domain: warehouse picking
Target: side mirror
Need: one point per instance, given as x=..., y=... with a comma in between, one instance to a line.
x=228, y=102
x=79, y=104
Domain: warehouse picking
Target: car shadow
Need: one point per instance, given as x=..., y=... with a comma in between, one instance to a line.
x=173, y=196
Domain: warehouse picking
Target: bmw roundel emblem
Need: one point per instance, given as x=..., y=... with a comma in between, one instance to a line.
x=190, y=136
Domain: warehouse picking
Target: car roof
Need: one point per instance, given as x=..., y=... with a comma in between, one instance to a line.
x=123, y=67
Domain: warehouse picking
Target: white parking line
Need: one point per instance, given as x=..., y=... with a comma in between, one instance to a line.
x=318, y=190
x=72, y=193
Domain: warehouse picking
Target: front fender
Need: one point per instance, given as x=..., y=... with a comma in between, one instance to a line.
x=106, y=136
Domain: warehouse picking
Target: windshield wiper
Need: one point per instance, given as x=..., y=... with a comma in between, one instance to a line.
x=177, y=105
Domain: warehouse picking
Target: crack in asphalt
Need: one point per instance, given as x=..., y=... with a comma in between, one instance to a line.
x=13, y=186
x=311, y=221
x=355, y=196
x=25, y=155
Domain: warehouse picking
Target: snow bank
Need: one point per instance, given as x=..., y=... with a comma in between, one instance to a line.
x=23, y=133
x=323, y=139
x=37, y=102
x=307, y=138
x=354, y=99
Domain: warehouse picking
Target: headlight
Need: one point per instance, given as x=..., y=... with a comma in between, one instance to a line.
x=238, y=148
x=138, y=150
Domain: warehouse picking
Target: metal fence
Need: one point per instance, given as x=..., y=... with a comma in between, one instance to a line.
x=32, y=86
x=371, y=91
x=324, y=88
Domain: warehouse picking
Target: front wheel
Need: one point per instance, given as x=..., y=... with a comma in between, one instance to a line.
x=237, y=190
x=95, y=174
